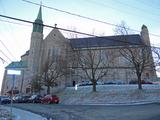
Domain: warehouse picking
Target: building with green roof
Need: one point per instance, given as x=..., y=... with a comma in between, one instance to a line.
x=55, y=47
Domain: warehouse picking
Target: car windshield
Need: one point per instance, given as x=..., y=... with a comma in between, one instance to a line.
x=33, y=96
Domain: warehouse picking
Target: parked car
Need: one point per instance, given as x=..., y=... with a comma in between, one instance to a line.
x=17, y=99
x=25, y=99
x=146, y=82
x=35, y=99
x=21, y=99
x=50, y=99
x=142, y=82
x=5, y=100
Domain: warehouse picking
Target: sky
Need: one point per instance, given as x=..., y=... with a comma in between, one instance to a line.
x=15, y=35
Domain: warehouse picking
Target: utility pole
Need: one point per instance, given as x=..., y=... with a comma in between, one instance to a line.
x=21, y=91
x=13, y=72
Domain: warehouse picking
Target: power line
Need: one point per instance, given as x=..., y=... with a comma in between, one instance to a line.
x=7, y=49
x=149, y=5
x=137, y=8
x=67, y=31
x=5, y=55
x=77, y=15
x=88, y=18
x=3, y=60
x=120, y=10
x=73, y=31
x=27, y=21
x=14, y=23
x=44, y=25
x=10, y=33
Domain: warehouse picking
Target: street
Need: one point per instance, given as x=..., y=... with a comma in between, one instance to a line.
x=95, y=112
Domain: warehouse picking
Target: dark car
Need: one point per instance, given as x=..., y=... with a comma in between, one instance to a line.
x=50, y=99
x=146, y=82
x=21, y=99
x=5, y=100
x=35, y=99
x=25, y=99
x=17, y=99
x=142, y=82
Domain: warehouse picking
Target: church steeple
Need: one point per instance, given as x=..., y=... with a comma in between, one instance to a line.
x=145, y=35
x=38, y=24
x=36, y=44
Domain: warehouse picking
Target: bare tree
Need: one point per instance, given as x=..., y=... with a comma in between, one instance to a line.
x=53, y=71
x=71, y=34
x=140, y=56
x=122, y=29
x=93, y=63
x=36, y=84
x=156, y=55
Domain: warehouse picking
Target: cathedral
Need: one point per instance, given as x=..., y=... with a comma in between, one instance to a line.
x=55, y=45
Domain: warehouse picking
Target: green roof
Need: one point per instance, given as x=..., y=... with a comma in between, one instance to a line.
x=18, y=64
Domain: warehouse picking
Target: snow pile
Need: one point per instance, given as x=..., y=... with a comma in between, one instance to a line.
x=110, y=94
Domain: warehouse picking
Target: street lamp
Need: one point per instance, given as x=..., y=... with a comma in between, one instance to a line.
x=13, y=73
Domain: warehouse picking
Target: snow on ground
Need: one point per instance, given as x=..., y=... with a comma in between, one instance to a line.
x=111, y=94
x=18, y=114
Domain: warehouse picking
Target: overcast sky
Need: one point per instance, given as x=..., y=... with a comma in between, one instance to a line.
x=16, y=35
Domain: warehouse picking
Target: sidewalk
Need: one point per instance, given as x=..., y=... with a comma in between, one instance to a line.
x=23, y=115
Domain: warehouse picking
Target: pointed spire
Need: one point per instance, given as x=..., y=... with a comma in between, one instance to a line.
x=39, y=17
x=38, y=24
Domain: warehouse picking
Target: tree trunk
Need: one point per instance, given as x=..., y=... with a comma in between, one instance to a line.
x=94, y=86
x=139, y=82
x=48, y=89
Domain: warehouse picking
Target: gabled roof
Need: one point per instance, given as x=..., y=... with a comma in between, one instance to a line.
x=106, y=41
x=17, y=64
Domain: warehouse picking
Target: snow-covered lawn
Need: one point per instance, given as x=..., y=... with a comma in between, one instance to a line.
x=111, y=94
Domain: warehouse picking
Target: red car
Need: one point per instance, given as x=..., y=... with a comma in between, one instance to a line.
x=50, y=99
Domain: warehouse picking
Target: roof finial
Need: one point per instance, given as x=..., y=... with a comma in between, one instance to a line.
x=55, y=25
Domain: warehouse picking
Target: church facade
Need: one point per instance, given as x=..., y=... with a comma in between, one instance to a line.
x=56, y=45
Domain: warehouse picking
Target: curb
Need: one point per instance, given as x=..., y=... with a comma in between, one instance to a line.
x=124, y=104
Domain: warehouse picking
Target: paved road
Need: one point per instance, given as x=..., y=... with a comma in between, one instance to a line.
x=97, y=112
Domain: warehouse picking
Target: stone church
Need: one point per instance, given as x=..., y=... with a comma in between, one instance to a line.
x=55, y=44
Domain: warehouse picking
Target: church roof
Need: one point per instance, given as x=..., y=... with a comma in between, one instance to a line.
x=17, y=64
x=106, y=41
